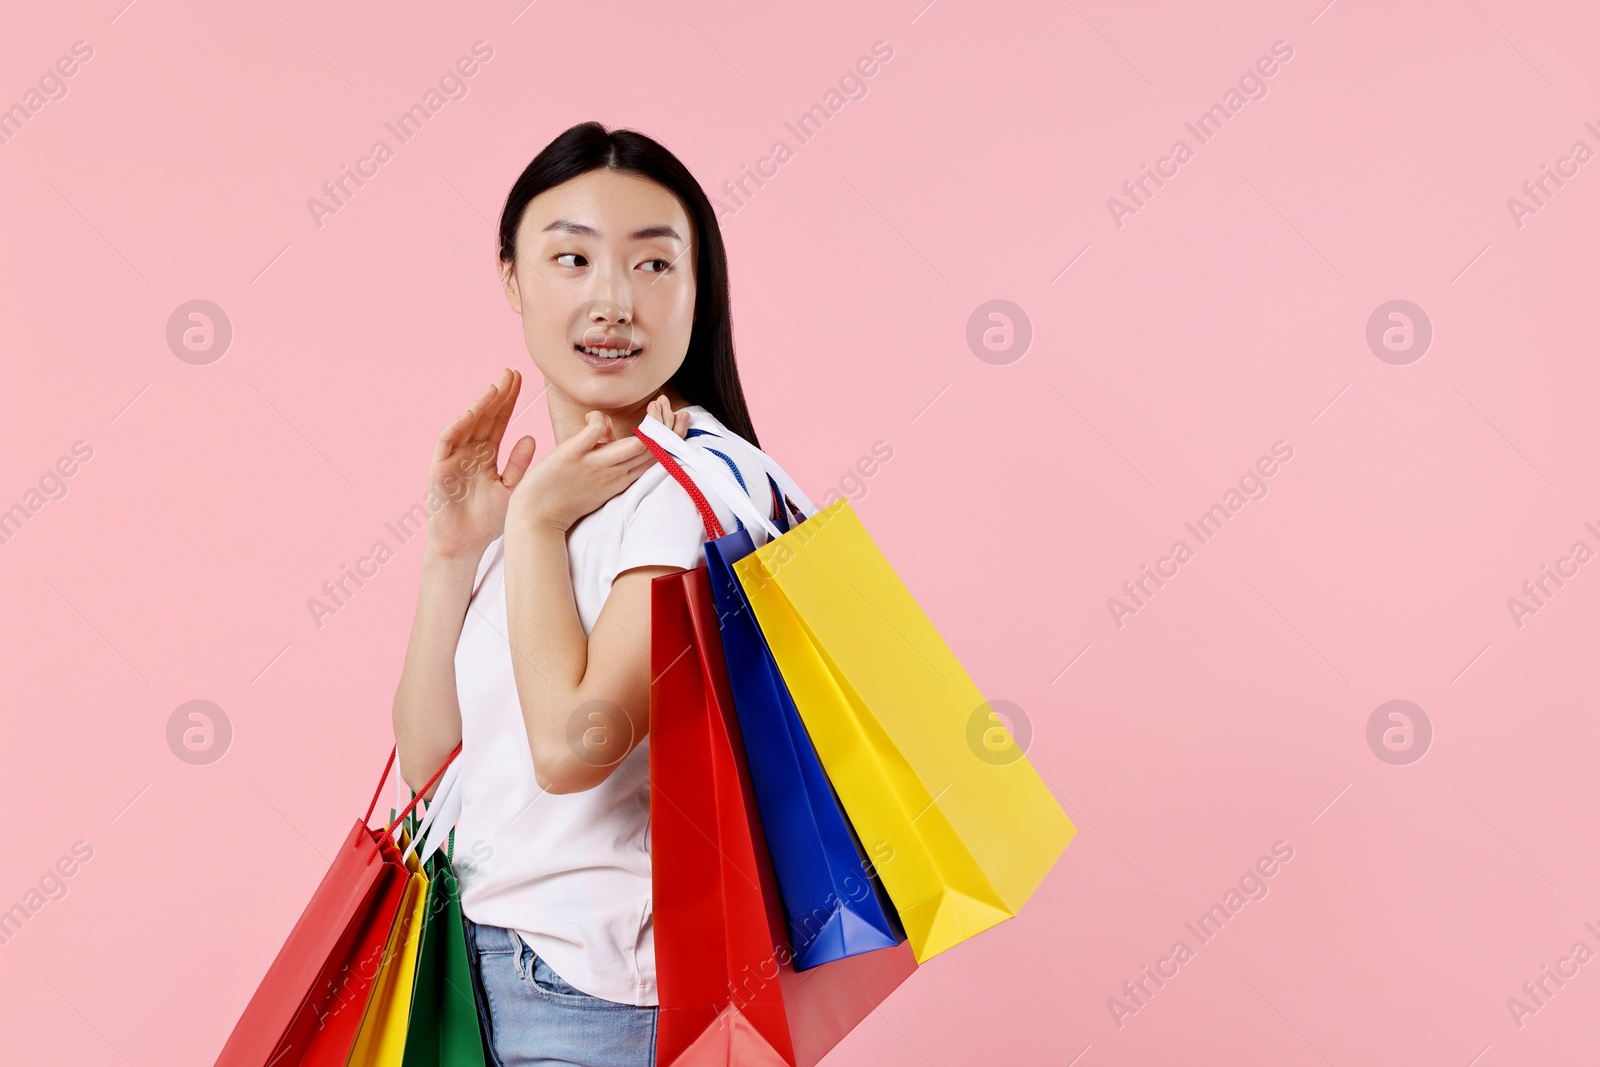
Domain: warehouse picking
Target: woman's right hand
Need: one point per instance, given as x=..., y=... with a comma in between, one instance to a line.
x=462, y=475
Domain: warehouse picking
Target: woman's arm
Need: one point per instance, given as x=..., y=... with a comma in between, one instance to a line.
x=467, y=502
x=427, y=716
x=585, y=698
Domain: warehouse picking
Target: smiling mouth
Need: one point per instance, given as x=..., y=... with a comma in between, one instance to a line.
x=607, y=353
x=612, y=360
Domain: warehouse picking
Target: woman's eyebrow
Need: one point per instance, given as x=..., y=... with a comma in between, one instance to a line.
x=569, y=226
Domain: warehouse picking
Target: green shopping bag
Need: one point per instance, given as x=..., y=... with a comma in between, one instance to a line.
x=444, y=1016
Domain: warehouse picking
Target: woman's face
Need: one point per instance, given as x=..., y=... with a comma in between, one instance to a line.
x=605, y=265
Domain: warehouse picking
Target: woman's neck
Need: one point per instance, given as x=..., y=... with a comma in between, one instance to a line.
x=566, y=414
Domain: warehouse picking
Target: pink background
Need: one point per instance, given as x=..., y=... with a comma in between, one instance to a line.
x=1227, y=314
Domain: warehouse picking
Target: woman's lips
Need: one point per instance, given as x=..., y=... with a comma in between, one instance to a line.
x=606, y=363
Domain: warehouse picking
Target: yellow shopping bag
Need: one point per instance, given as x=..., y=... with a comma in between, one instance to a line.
x=959, y=825
x=381, y=1041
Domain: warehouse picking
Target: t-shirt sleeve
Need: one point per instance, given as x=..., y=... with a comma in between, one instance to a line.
x=665, y=530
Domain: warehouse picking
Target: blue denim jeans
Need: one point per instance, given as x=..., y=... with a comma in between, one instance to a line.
x=535, y=1019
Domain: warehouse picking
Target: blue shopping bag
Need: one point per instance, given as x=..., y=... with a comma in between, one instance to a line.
x=833, y=901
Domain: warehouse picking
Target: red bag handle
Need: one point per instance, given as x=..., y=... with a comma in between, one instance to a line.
x=418, y=796
x=713, y=527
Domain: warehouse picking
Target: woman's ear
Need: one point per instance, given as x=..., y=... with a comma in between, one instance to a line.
x=508, y=282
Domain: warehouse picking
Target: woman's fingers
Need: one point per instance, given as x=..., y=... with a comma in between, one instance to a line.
x=455, y=431
x=595, y=429
x=661, y=408
x=488, y=406
x=508, y=404
x=620, y=452
x=518, y=462
x=677, y=421
x=597, y=424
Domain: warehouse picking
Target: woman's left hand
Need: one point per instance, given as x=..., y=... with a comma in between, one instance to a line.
x=586, y=470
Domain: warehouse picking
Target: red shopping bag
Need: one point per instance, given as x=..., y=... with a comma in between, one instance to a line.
x=711, y=927
x=728, y=990
x=310, y=1004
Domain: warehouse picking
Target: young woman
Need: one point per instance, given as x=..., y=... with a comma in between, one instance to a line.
x=531, y=642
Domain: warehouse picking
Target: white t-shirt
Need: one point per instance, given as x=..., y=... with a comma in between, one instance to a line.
x=570, y=873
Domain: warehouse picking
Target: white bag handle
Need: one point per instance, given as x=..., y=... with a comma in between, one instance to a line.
x=447, y=808
x=441, y=815
x=402, y=797
x=443, y=811
x=787, y=485
x=710, y=473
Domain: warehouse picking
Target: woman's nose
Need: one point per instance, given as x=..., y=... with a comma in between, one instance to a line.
x=611, y=293
x=605, y=311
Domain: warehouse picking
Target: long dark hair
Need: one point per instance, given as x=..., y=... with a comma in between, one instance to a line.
x=709, y=377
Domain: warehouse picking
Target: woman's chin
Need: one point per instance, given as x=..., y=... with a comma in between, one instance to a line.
x=602, y=392
x=633, y=382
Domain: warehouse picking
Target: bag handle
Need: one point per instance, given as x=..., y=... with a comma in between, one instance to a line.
x=407, y=810
x=443, y=811
x=784, y=510
x=666, y=459
x=675, y=454
x=798, y=502
x=786, y=485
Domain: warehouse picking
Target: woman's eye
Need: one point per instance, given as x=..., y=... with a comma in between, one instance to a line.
x=569, y=255
x=666, y=264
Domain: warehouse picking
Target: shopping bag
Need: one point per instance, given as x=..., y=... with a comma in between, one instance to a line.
x=309, y=1006
x=381, y=1041
x=960, y=826
x=709, y=917
x=833, y=900
x=444, y=1029
x=728, y=990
